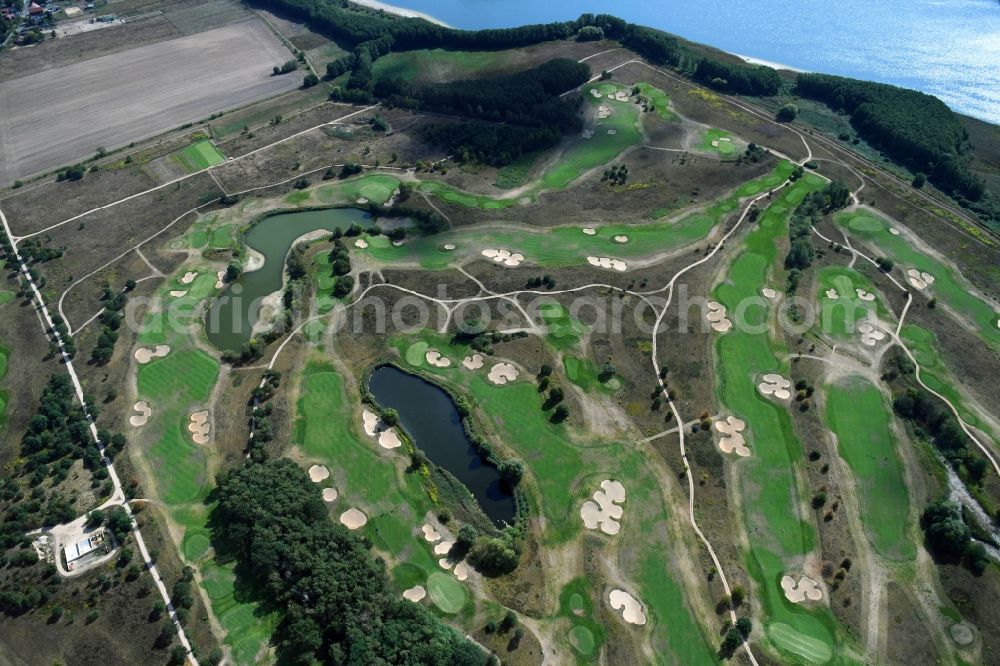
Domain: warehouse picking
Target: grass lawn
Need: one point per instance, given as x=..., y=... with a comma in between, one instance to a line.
x=376, y=187
x=6, y=296
x=516, y=173
x=441, y=65
x=718, y=141
x=859, y=417
x=564, y=331
x=198, y=156
x=840, y=317
x=658, y=99
x=771, y=496
x=948, y=287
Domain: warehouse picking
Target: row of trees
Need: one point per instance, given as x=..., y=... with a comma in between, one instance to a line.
x=915, y=129
x=338, y=605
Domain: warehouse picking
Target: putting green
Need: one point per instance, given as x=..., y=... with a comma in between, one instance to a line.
x=840, y=317
x=582, y=640
x=416, y=353
x=564, y=331
x=859, y=417
x=717, y=141
x=949, y=286
x=658, y=99
x=375, y=187
x=446, y=593
x=198, y=156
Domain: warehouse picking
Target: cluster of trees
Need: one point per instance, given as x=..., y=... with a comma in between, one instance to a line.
x=800, y=254
x=340, y=266
x=287, y=67
x=74, y=172
x=33, y=252
x=941, y=425
x=915, y=129
x=111, y=321
x=756, y=80
x=260, y=415
x=618, y=175
x=338, y=605
x=949, y=536
x=489, y=143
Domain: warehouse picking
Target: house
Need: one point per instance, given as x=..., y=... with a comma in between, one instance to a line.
x=34, y=9
x=77, y=551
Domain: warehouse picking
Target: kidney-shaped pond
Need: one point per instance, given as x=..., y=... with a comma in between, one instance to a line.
x=430, y=417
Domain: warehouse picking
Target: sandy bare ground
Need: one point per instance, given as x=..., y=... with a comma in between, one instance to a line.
x=61, y=116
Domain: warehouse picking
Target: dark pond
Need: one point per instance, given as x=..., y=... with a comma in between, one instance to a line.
x=429, y=415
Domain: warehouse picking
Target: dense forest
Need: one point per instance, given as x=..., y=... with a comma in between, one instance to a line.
x=915, y=129
x=337, y=602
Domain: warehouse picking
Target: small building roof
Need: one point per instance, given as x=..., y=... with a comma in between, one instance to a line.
x=35, y=8
x=79, y=549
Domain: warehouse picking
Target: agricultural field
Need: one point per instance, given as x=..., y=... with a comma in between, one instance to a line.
x=595, y=384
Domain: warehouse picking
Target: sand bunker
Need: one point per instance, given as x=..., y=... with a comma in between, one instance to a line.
x=611, y=131
x=147, y=354
x=462, y=570
x=604, y=511
x=805, y=588
x=362, y=201
x=139, y=420
x=319, y=473
x=370, y=420
x=715, y=143
x=199, y=427
x=434, y=358
x=919, y=279
x=430, y=534
x=473, y=362
x=219, y=284
x=732, y=440
x=621, y=96
x=590, y=231
x=894, y=231
x=361, y=242
x=501, y=373
x=595, y=92
x=449, y=247
x=603, y=111
x=389, y=439
x=775, y=385
x=506, y=257
x=608, y=262
x=832, y=294
x=445, y=563
x=769, y=293
x=620, y=239
x=353, y=519
x=630, y=608
x=177, y=293
x=329, y=494
x=415, y=593
x=864, y=295
x=716, y=316
x=443, y=547
x=870, y=336
x=188, y=277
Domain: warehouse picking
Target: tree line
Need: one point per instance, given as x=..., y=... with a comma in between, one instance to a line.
x=338, y=604
x=917, y=130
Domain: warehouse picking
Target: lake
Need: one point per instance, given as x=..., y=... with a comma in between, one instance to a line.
x=230, y=319
x=428, y=414
x=948, y=49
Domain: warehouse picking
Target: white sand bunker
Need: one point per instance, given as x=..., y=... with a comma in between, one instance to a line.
x=443, y=547
x=894, y=231
x=361, y=242
x=775, y=385
x=362, y=201
x=590, y=231
x=319, y=473
x=188, y=277
x=732, y=440
x=919, y=279
x=769, y=293
x=415, y=593
x=433, y=357
x=199, y=427
x=611, y=131
x=716, y=316
x=805, y=588
x=430, y=533
x=473, y=362
x=595, y=92
x=621, y=96
x=620, y=239
x=603, y=111
x=870, y=336
x=449, y=247
x=832, y=294
x=139, y=420
x=715, y=143
x=502, y=373
x=506, y=257
x=864, y=295
x=630, y=608
x=462, y=570
x=219, y=284
x=177, y=293
x=147, y=354
x=374, y=426
x=605, y=511
x=329, y=494
x=445, y=563
x=353, y=519
x=608, y=262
